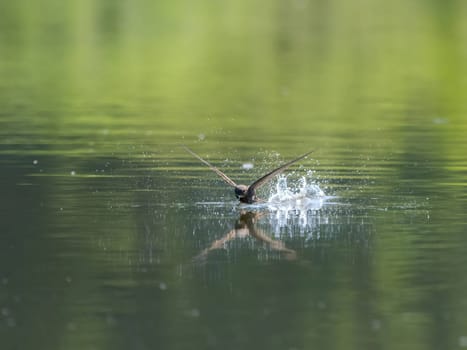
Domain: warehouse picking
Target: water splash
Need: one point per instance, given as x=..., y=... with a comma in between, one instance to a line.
x=294, y=202
x=301, y=193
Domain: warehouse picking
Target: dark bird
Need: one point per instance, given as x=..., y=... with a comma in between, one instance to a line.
x=247, y=194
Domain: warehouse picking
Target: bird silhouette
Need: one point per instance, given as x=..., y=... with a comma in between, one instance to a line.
x=247, y=194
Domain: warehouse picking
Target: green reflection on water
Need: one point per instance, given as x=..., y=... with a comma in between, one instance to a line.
x=99, y=214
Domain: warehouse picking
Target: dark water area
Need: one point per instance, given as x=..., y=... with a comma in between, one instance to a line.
x=112, y=236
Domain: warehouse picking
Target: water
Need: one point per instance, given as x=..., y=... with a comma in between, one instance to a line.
x=112, y=236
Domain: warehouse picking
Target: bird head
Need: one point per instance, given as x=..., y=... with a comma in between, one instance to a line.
x=241, y=191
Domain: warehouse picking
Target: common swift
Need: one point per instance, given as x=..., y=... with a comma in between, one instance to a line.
x=247, y=194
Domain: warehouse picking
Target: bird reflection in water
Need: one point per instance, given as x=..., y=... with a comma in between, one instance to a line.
x=246, y=226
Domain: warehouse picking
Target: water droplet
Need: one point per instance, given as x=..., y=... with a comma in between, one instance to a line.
x=321, y=305
x=194, y=313
x=35, y=162
x=440, y=120
x=11, y=322
x=463, y=341
x=376, y=325
x=5, y=311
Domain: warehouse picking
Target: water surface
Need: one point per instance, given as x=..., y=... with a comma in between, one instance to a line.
x=113, y=237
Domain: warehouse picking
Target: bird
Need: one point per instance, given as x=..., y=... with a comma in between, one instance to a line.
x=247, y=194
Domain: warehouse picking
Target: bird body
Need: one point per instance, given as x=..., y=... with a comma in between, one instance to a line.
x=247, y=194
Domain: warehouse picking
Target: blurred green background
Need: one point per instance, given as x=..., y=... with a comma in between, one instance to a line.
x=320, y=67
x=99, y=213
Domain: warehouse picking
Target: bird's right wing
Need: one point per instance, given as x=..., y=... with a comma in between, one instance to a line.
x=224, y=177
x=261, y=181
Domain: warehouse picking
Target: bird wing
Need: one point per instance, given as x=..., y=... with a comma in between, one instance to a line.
x=261, y=181
x=224, y=177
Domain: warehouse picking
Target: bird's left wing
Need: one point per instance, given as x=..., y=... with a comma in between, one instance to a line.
x=224, y=177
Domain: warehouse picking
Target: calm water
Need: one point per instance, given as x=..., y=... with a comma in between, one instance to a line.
x=113, y=237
